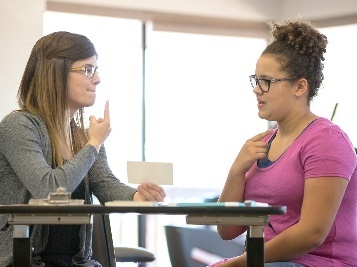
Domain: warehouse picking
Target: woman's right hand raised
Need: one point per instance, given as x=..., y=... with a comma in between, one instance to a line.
x=99, y=129
x=253, y=150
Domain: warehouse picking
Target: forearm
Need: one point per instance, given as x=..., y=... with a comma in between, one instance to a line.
x=288, y=245
x=104, y=184
x=40, y=178
x=253, y=150
x=292, y=243
x=322, y=198
x=233, y=191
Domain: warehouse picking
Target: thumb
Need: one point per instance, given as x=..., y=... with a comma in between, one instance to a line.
x=92, y=119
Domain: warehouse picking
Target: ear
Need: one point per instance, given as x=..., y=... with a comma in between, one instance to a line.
x=302, y=87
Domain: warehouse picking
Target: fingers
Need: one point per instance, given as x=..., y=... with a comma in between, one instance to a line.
x=99, y=129
x=106, y=115
x=260, y=136
x=92, y=119
x=253, y=150
x=151, y=192
x=106, y=111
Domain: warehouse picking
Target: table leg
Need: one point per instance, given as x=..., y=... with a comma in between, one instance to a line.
x=255, y=247
x=22, y=254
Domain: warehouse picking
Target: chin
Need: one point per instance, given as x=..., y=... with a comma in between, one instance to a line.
x=265, y=116
x=260, y=115
x=90, y=103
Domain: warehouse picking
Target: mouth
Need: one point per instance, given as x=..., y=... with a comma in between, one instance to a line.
x=260, y=103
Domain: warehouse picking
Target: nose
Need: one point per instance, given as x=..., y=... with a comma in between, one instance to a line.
x=96, y=78
x=257, y=90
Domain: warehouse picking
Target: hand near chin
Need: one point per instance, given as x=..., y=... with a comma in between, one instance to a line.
x=99, y=129
x=149, y=192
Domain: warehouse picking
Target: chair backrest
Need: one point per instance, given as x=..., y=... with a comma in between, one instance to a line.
x=198, y=247
x=102, y=241
x=104, y=251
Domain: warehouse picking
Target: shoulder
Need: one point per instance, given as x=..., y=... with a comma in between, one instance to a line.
x=18, y=118
x=21, y=123
x=327, y=151
x=324, y=138
x=325, y=142
x=324, y=130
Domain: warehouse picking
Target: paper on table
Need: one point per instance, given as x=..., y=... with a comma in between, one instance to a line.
x=119, y=203
x=156, y=172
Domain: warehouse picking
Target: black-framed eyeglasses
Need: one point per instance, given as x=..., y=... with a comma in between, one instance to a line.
x=264, y=84
x=88, y=70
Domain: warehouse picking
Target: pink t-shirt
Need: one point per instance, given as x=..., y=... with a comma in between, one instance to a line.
x=321, y=150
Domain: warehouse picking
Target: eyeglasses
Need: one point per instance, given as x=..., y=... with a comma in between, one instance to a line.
x=264, y=84
x=88, y=70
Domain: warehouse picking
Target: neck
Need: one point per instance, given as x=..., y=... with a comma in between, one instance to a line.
x=72, y=112
x=296, y=124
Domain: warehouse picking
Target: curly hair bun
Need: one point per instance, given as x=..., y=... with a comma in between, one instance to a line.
x=301, y=36
x=299, y=48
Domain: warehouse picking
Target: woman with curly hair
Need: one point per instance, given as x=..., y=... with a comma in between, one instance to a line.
x=307, y=163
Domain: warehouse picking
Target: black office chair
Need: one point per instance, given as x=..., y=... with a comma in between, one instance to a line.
x=104, y=251
x=198, y=247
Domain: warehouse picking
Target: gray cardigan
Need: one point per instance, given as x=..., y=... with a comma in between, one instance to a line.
x=26, y=172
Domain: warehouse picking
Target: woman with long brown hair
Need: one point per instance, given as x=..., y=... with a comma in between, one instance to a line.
x=46, y=144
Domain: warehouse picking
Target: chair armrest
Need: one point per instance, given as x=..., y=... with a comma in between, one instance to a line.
x=137, y=254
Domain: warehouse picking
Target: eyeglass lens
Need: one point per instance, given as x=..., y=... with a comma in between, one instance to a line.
x=263, y=84
x=90, y=71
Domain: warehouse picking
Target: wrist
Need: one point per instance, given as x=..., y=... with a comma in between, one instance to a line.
x=96, y=145
x=236, y=174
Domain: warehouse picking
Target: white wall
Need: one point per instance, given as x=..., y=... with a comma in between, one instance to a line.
x=318, y=9
x=20, y=27
x=251, y=10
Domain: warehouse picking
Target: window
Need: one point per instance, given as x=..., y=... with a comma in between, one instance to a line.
x=338, y=85
x=200, y=107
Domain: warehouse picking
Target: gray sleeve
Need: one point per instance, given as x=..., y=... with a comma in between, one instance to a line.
x=24, y=143
x=103, y=183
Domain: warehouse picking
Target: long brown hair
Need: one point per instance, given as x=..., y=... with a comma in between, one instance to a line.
x=43, y=89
